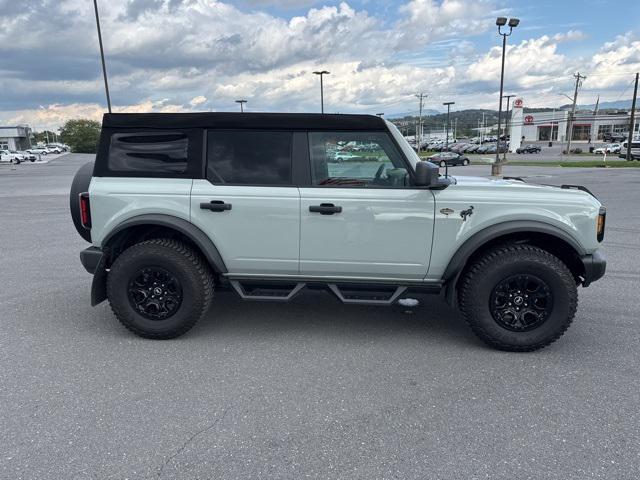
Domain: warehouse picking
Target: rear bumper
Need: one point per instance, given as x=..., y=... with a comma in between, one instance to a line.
x=594, y=267
x=90, y=258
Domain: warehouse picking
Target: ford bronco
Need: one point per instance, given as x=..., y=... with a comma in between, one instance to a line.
x=177, y=205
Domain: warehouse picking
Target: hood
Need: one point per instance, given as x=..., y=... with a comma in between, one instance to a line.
x=521, y=186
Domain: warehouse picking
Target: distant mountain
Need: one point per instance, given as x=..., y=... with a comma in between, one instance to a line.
x=425, y=113
x=617, y=105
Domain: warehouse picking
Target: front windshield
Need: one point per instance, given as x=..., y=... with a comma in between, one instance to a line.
x=408, y=151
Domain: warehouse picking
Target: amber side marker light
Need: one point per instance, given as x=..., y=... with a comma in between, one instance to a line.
x=602, y=217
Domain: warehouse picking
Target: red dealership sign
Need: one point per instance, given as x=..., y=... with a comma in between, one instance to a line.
x=528, y=120
x=517, y=103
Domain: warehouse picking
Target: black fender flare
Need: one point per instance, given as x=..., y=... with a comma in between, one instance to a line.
x=197, y=236
x=478, y=239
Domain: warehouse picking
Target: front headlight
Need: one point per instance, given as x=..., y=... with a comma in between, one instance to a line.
x=602, y=217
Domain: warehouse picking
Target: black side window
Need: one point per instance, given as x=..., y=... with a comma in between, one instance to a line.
x=249, y=157
x=161, y=152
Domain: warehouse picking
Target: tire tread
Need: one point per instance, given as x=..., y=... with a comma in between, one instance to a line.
x=199, y=267
x=474, y=275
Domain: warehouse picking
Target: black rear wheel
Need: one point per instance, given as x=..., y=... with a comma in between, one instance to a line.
x=518, y=297
x=159, y=288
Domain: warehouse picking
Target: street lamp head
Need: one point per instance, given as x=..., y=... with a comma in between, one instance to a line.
x=501, y=21
x=322, y=72
x=449, y=103
x=514, y=22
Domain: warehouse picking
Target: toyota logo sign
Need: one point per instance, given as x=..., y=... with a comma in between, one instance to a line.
x=528, y=120
x=517, y=103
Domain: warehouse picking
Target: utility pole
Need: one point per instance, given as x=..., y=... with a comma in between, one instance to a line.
x=632, y=120
x=104, y=67
x=455, y=129
x=579, y=79
x=506, y=128
x=420, y=97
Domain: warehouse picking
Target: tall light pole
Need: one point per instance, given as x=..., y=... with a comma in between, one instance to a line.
x=496, y=168
x=446, y=141
x=321, y=73
x=241, y=102
x=420, y=96
x=104, y=67
x=506, y=129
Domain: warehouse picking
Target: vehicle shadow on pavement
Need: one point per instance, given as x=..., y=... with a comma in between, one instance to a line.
x=318, y=314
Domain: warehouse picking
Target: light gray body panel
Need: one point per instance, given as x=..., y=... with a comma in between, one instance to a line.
x=495, y=202
x=261, y=232
x=379, y=233
x=114, y=200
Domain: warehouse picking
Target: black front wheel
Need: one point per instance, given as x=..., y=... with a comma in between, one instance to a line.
x=159, y=288
x=518, y=297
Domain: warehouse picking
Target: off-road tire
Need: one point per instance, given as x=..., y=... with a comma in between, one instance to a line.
x=486, y=272
x=189, y=268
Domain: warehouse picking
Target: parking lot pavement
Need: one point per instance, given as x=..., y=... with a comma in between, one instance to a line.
x=308, y=389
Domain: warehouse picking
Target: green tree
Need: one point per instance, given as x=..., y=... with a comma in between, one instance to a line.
x=45, y=136
x=81, y=135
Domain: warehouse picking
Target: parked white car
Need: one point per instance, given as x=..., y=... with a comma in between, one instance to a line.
x=11, y=156
x=610, y=148
x=37, y=151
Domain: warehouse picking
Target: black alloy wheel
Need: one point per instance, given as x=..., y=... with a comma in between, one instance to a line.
x=521, y=302
x=155, y=293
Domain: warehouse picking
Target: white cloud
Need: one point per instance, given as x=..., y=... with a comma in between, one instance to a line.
x=199, y=100
x=617, y=58
x=528, y=64
x=207, y=52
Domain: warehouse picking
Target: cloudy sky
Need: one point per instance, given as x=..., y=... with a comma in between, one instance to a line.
x=194, y=55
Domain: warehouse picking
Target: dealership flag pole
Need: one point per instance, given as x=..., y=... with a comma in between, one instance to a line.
x=632, y=120
x=104, y=67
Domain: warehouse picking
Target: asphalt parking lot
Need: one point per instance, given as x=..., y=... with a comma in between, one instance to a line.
x=311, y=389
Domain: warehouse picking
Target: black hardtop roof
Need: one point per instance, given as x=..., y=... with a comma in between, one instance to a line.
x=264, y=121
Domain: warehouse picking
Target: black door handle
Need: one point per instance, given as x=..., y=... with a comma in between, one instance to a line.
x=216, y=206
x=325, y=209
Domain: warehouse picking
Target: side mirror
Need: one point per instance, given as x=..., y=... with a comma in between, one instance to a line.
x=427, y=174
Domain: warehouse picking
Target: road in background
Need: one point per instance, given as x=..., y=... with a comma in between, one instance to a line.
x=309, y=389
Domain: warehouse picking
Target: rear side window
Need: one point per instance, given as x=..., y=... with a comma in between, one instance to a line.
x=247, y=157
x=157, y=153
x=163, y=152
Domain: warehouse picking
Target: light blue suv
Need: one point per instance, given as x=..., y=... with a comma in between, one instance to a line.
x=177, y=205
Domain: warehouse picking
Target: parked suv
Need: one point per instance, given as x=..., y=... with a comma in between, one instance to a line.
x=177, y=205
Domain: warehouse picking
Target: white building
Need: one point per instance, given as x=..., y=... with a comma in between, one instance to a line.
x=15, y=138
x=552, y=126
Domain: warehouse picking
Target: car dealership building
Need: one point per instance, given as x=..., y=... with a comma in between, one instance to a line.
x=544, y=126
x=15, y=138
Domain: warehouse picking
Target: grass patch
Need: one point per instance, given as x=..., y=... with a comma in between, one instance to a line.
x=580, y=164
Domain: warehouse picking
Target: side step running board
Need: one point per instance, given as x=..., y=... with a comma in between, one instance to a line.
x=366, y=297
x=273, y=294
x=350, y=293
